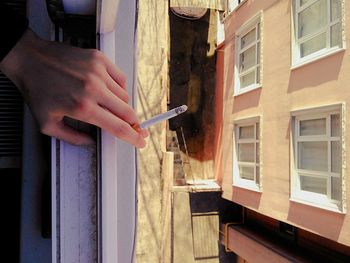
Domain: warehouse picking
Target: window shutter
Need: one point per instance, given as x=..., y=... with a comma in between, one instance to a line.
x=11, y=112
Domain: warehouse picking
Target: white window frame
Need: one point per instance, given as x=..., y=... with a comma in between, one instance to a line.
x=232, y=5
x=238, y=181
x=307, y=197
x=118, y=186
x=297, y=61
x=242, y=31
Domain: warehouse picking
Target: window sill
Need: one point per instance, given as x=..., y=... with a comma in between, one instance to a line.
x=313, y=59
x=247, y=89
x=326, y=206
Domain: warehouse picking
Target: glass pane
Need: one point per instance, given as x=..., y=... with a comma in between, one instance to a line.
x=258, y=53
x=303, y=2
x=248, y=38
x=313, y=127
x=246, y=132
x=336, y=35
x=312, y=18
x=258, y=35
x=313, y=184
x=246, y=152
x=247, y=59
x=335, y=125
x=336, y=188
x=248, y=79
x=315, y=44
x=335, y=9
x=257, y=154
x=336, y=157
x=246, y=172
x=257, y=177
x=313, y=156
x=257, y=131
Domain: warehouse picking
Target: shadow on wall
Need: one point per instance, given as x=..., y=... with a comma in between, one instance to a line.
x=247, y=100
x=327, y=69
x=246, y=197
x=192, y=82
x=325, y=222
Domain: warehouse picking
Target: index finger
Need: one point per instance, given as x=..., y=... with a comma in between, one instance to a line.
x=118, y=127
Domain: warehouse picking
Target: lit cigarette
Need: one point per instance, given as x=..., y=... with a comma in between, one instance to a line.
x=163, y=116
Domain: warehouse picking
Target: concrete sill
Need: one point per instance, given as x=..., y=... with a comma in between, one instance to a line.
x=198, y=186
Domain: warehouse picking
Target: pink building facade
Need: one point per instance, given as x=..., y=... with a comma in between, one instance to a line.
x=283, y=113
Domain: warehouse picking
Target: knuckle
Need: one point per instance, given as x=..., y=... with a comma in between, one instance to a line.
x=96, y=54
x=125, y=97
x=83, y=108
x=122, y=77
x=89, y=79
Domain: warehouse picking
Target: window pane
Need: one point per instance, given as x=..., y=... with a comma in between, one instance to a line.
x=312, y=18
x=335, y=125
x=336, y=188
x=336, y=35
x=313, y=127
x=303, y=2
x=247, y=59
x=313, y=184
x=257, y=131
x=315, y=44
x=246, y=172
x=313, y=156
x=258, y=33
x=335, y=9
x=248, y=38
x=246, y=132
x=246, y=152
x=248, y=79
x=257, y=177
x=336, y=157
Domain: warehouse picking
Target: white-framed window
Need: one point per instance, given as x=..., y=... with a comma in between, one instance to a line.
x=317, y=29
x=233, y=4
x=317, y=157
x=248, y=56
x=246, y=163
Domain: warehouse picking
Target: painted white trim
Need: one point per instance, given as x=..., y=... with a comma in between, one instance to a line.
x=307, y=197
x=244, y=29
x=54, y=196
x=237, y=180
x=118, y=159
x=297, y=61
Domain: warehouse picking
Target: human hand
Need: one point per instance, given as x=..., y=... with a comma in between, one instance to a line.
x=57, y=80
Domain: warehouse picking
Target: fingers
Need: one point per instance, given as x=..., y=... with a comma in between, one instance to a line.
x=118, y=107
x=116, y=74
x=116, y=126
x=116, y=89
x=63, y=132
x=144, y=133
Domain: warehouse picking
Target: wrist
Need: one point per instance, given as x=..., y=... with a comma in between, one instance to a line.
x=13, y=64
